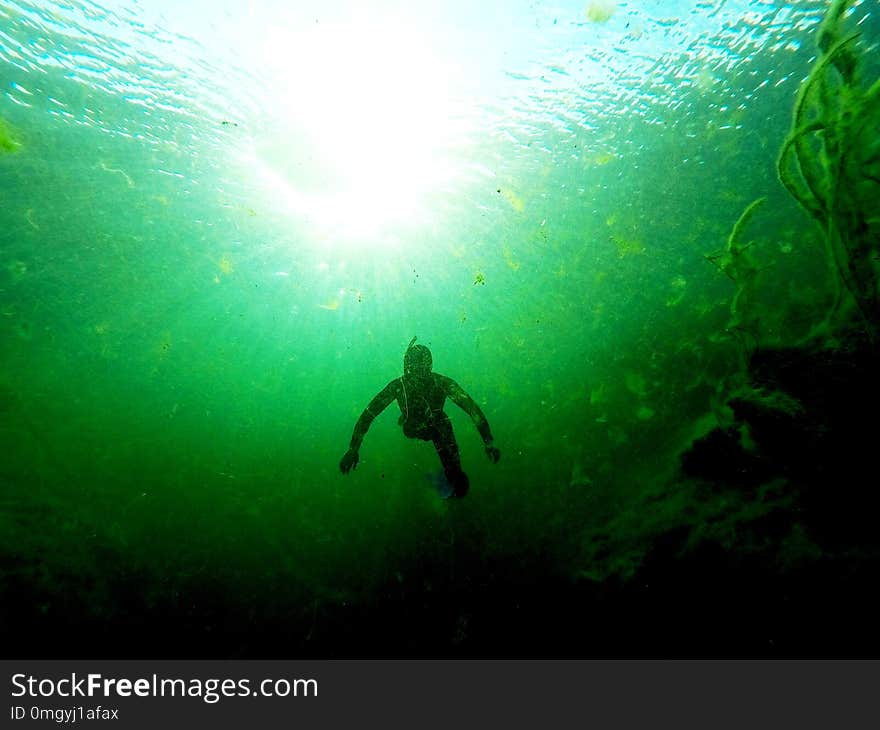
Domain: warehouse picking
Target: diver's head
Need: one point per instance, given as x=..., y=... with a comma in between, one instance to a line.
x=417, y=361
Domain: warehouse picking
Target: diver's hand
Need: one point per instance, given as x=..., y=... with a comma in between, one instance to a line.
x=493, y=453
x=349, y=461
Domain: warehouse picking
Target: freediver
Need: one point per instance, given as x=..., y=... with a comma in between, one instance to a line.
x=420, y=395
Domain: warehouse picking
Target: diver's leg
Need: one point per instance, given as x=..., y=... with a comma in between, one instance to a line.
x=447, y=450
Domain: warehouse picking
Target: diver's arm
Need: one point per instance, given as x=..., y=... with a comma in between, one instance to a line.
x=457, y=395
x=376, y=406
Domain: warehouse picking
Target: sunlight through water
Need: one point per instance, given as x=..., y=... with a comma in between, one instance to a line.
x=364, y=133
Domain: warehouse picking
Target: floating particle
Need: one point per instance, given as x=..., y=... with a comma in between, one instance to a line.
x=516, y=202
x=600, y=11
x=225, y=265
x=7, y=139
x=636, y=384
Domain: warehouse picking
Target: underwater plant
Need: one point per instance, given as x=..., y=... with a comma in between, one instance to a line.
x=737, y=263
x=830, y=164
x=787, y=424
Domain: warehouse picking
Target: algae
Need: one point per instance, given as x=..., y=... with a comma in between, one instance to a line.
x=736, y=261
x=790, y=428
x=830, y=164
x=8, y=141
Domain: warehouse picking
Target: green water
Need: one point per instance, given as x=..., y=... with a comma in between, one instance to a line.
x=185, y=351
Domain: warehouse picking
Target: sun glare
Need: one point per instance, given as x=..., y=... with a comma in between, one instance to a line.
x=363, y=129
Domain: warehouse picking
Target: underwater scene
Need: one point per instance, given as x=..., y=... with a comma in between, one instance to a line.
x=439, y=329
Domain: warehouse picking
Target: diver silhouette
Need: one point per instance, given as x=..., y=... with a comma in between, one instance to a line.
x=420, y=395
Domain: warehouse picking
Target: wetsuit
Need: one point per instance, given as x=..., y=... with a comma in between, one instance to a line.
x=420, y=398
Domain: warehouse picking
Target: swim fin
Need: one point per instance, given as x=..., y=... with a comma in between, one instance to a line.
x=441, y=484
